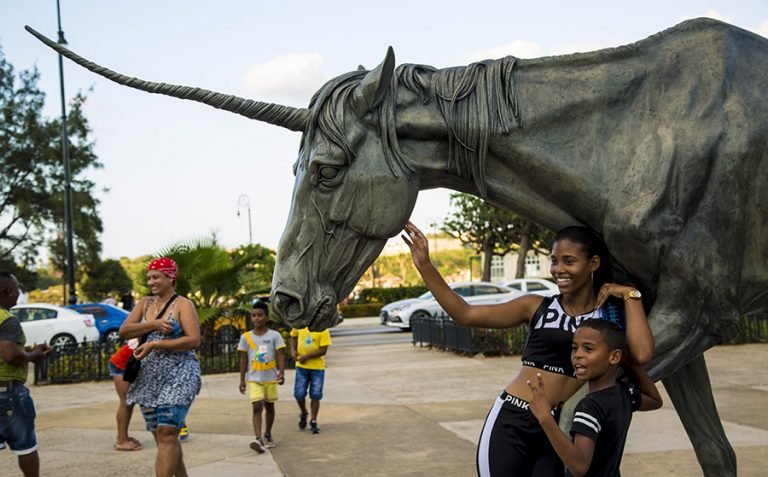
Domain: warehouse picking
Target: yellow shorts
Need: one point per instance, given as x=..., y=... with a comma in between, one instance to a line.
x=262, y=391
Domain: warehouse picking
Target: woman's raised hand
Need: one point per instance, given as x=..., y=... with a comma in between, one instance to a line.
x=611, y=290
x=418, y=244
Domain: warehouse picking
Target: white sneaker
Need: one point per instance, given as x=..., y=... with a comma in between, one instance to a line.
x=257, y=446
x=268, y=442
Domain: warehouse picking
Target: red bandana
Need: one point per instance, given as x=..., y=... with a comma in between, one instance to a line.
x=164, y=265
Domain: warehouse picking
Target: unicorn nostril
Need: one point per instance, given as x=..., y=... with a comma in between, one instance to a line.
x=288, y=305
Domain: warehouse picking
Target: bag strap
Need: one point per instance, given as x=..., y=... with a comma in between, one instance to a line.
x=250, y=340
x=162, y=312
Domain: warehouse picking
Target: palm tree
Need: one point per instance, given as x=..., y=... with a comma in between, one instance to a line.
x=216, y=279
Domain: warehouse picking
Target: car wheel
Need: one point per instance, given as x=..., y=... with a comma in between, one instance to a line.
x=112, y=336
x=62, y=341
x=420, y=314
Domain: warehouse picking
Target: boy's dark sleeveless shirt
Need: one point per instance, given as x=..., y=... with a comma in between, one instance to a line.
x=548, y=344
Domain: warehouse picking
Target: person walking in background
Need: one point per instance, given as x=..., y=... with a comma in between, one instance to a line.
x=263, y=362
x=169, y=378
x=308, y=349
x=117, y=364
x=17, y=410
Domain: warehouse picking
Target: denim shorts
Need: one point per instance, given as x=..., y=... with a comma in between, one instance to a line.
x=172, y=416
x=309, y=378
x=17, y=420
x=114, y=370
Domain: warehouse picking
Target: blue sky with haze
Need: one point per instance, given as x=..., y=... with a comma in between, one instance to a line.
x=281, y=52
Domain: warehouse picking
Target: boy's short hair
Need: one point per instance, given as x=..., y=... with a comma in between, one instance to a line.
x=610, y=332
x=260, y=305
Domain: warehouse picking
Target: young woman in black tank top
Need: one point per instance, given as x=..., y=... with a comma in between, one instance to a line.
x=512, y=442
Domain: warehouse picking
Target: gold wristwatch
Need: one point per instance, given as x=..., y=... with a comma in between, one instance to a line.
x=634, y=294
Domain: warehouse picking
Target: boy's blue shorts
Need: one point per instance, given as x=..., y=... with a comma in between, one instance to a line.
x=309, y=378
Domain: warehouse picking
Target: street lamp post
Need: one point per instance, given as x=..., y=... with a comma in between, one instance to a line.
x=244, y=201
x=70, y=263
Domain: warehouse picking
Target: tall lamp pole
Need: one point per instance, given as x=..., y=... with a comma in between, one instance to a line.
x=244, y=201
x=70, y=265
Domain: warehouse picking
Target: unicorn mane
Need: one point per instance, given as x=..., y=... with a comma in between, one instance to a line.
x=474, y=101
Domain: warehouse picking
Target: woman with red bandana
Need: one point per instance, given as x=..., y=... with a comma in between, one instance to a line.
x=169, y=378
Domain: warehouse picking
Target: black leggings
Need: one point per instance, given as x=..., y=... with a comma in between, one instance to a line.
x=513, y=443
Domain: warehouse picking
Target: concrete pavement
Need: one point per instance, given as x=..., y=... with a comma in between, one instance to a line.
x=388, y=410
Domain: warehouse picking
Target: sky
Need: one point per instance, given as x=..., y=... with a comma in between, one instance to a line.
x=178, y=170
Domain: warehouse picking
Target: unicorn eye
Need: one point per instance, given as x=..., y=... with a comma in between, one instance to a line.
x=328, y=172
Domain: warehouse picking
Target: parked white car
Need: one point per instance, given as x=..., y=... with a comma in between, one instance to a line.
x=475, y=293
x=55, y=325
x=394, y=308
x=538, y=286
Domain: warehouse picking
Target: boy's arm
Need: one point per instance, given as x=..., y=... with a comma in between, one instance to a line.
x=650, y=398
x=294, y=344
x=243, y=369
x=280, y=365
x=315, y=354
x=576, y=455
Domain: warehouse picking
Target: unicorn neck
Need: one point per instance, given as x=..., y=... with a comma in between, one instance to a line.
x=533, y=169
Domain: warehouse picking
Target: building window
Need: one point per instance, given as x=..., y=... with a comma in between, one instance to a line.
x=532, y=265
x=497, y=268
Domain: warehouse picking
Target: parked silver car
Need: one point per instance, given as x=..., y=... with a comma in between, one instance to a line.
x=55, y=325
x=475, y=293
x=537, y=286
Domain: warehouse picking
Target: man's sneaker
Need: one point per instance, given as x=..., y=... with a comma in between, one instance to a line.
x=257, y=445
x=303, y=420
x=184, y=433
x=313, y=427
x=268, y=442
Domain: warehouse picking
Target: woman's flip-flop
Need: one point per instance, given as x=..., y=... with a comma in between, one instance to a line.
x=129, y=446
x=135, y=441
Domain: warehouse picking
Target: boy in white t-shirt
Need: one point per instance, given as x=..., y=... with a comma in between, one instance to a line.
x=263, y=361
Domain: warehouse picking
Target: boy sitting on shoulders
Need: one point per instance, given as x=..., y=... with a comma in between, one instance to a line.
x=601, y=419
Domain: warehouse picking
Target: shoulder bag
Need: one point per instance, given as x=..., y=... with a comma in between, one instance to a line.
x=133, y=366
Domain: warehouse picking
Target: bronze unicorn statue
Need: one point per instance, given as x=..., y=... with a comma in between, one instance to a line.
x=659, y=145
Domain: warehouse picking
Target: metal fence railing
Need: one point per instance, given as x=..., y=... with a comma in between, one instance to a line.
x=443, y=333
x=89, y=361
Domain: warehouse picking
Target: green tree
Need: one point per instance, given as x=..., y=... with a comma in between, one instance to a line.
x=107, y=278
x=32, y=174
x=216, y=279
x=136, y=268
x=491, y=230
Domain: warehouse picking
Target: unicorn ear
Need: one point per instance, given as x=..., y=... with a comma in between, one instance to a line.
x=373, y=87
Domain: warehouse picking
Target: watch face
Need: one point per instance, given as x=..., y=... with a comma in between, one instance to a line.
x=635, y=294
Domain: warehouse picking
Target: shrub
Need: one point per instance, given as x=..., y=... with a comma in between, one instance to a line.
x=388, y=295
x=357, y=311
